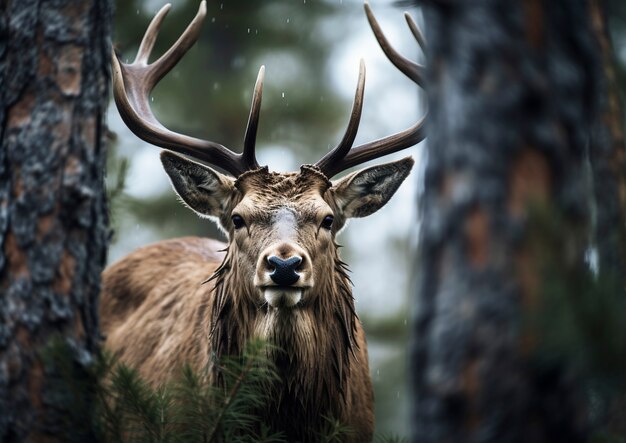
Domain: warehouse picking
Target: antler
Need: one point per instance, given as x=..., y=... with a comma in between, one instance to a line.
x=133, y=83
x=343, y=157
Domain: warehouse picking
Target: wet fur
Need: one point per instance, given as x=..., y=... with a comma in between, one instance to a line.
x=158, y=310
x=155, y=328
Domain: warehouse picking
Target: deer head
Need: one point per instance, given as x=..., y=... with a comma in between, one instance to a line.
x=281, y=227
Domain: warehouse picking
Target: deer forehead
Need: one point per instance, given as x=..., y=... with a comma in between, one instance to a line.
x=280, y=210
x=264, y=183
x=273, y=197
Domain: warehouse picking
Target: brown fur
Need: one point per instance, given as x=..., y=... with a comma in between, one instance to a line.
x=157, y=314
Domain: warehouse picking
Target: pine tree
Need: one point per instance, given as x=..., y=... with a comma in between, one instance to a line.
x=512, y=93
x=54, y=72
x=187, y=409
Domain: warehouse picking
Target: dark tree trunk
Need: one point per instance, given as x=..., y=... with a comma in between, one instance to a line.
x=54, y=77
x=607, y=154
x=512, y=93
x=608, y=157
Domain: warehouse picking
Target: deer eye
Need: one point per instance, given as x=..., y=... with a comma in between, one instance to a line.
x=238, y=221
x=327, y=223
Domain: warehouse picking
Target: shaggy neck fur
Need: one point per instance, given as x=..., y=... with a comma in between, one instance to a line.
x=314, y=343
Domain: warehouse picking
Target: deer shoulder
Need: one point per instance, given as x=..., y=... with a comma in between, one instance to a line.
x=150, y=297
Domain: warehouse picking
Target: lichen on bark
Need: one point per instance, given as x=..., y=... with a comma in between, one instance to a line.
x=54, y=68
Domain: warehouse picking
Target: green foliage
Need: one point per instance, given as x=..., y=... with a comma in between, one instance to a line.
x=334, y=431
x=391, y=439
x=133, y=411
x=109, y=402
x=188, y=409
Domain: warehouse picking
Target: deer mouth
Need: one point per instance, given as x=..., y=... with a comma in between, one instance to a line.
x=282, y=296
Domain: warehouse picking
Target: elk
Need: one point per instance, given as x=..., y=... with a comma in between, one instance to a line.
x=279, y=278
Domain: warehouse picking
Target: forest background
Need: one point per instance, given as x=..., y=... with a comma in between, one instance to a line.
x=311, y=51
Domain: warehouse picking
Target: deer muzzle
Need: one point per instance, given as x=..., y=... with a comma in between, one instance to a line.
x=283, y=273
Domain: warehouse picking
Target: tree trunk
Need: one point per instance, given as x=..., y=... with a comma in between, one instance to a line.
x=607, y=155
x=505, y=215
x=54, y=72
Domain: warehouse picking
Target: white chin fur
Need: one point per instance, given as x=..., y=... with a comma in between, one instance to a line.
x=282, y=297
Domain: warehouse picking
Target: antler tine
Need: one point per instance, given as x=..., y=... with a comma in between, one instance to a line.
x=391, y=143
x=415, y=30
x=379, y=148
x=149, y=38
x=340, y=151
x=411, y=69
x=133, y=83
x=190, y=35
x=249, y=141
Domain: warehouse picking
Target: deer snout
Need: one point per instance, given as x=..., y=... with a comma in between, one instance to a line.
x=284, y=273
x=284, y=264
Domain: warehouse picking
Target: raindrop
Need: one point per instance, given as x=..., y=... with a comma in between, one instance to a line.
x=221, y=5
x=287, y=20
x=283, y=94
x=151, y=99
x=405, y=322
x=212, y=19
x=216, y=86
x=137, y=11
x=256, y=31
x=248, y=30
x=398, y=394
x=305, y=2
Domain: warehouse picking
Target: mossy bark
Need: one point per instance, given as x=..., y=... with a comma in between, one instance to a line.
x=512, y=89
x=54, y=72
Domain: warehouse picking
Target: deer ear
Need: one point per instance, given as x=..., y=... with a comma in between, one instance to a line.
x=204, y=190
x=366, y=191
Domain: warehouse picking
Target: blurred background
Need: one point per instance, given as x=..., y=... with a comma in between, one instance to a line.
x=311, y=50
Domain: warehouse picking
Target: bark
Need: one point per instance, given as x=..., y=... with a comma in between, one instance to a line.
x=607, y=155
x=54, y=72
x=511, y=93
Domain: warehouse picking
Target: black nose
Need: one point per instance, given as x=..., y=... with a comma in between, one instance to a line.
x=284, y=273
